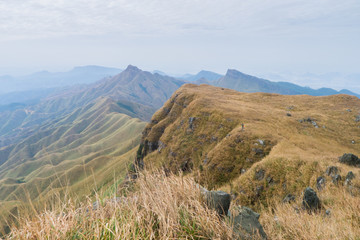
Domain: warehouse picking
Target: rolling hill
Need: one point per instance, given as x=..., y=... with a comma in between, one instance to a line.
x=287, y=141
x=78, y=139
x=83, y=151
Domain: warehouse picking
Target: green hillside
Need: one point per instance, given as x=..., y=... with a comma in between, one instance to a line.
x=80, y=152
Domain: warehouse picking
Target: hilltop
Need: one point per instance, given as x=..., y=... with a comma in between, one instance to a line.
x=286, y=144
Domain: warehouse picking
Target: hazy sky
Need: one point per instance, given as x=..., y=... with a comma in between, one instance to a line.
x=254, y=36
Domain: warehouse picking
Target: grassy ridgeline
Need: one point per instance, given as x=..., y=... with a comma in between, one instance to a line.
x=82, y=152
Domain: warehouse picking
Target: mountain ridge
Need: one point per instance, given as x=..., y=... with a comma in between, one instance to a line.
x=200, y=130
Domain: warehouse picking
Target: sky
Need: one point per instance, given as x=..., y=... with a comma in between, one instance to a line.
x=181, y=36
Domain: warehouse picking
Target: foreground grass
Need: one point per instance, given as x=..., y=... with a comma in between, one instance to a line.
x=159, y=207
x=288, y=221
x=170, y=207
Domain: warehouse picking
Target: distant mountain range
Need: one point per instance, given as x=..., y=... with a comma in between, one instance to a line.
x=75, y=135
x=210, y=76
x=241, y=82
x=246, y=83
x=333, y=80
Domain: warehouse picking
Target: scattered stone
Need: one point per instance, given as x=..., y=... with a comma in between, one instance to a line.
x=336, y=179
x=243, y=171
x=309, y=120
x=217, y=200
x=213, y=139
x=246, y=224
x=161, y=146
x=328, y=212
x=357, y=118
x=261, y=142
x=186, y=166
x=259, y=175
x=331, y=171
x=347, y=182
x=320, y=183
x=259, y=190
x=352, y=141
x=314, y=124
x=311, y=201
x=276, y=219
x=350, y=176
x=249, y=160
x=350, y=159
x=172, y=154
x=289, y=198
x=290, y=108
x=191, y=123
x=258, y=151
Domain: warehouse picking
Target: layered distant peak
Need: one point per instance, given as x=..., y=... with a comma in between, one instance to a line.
x=235, y=74
x=210, y=76
x=132, y=68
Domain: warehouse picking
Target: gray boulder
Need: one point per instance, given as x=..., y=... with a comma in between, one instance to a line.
x=357, y=118
x=246, y=224
x=191, y=122
x=320, y=183
x=336, y=179
x=311, y=201
x=217, y=200
x=260, y=174
x=332, y=171
x=350, y=176
x=350, y=159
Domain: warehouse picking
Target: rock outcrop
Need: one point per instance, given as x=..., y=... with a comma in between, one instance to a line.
x=350, y=159
x=311, y=201
x=246, y=224
x=217, y=200
x=331, y=171
x=320, y=183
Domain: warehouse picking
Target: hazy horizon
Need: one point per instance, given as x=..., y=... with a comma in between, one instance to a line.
x=253, y=36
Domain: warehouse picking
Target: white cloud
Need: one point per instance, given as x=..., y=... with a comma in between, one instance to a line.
x=181, y=35
x=44, y=18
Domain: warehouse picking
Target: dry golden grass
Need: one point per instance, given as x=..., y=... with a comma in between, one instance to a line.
x=218, y=151
x=171, y=207
x=160, y=207
x=283, y=222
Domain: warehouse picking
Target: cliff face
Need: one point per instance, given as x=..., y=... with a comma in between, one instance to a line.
x=258, y=144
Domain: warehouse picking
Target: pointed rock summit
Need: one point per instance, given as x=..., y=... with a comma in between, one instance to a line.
x=132, y=68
